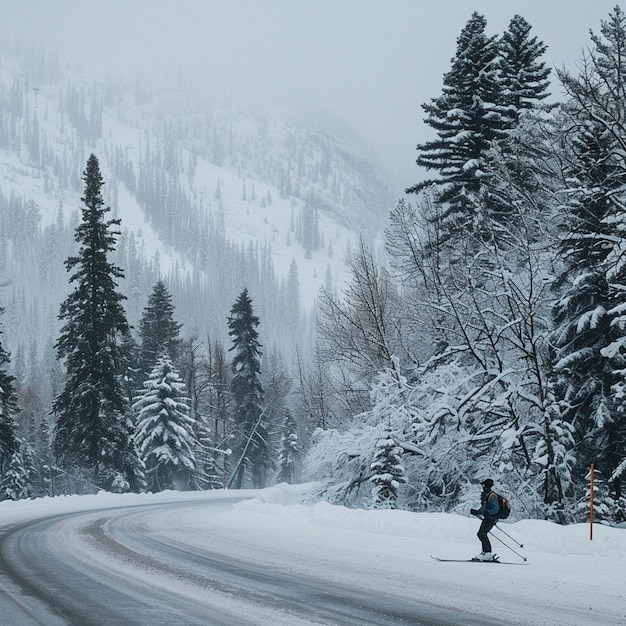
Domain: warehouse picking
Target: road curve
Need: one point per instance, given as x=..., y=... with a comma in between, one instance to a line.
x=113, y=566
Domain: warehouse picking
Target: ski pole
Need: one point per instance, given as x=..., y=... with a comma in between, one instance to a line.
x=508, y=546
x=509, y=536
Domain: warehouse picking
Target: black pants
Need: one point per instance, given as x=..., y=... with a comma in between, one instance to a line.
x=487, y=524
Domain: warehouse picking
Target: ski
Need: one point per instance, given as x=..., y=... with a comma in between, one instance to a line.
x=495, y=560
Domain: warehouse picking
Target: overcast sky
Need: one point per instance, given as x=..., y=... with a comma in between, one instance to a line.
x=373, y=62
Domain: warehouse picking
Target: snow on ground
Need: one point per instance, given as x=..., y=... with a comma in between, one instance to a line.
x=567, y=579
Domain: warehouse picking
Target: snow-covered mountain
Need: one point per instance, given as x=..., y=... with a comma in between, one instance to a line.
x=210, y=198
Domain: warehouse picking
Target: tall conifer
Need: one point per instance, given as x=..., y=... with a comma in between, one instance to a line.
x=289, y=454
x=490, y=82
x=524, y=75
x=8, y=405
x=589, y=317
x=93, y=431
x=158, y=330
x=467, y=117
x=252, y=446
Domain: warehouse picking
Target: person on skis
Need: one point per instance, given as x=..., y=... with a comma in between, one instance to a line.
x=489, y=510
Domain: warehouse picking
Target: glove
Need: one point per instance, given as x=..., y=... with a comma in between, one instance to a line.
x=474, y=511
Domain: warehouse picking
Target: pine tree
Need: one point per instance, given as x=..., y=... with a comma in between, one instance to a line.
x=524, y=79
x=387, y=472
x=491, y=81
x=589, y=317
x=604, y=503
x=9, y=445
x=468, y=117
x=92, y=430
x=158, y=330
x=252, y=450
x=292, y=309
x=289, y=452
x=582, y=325
x=165, y=432
x=619, y=511
x=524, y=75
x=16, y=483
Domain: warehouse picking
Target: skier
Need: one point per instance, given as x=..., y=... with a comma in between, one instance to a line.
x=489, y=511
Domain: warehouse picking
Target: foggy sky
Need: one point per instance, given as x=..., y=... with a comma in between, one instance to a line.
x=372, y=62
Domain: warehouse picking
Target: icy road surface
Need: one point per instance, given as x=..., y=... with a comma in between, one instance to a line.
x=234, y=558
x=154, y=564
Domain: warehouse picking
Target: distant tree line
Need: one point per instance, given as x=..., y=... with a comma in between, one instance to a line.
x=47, y=127
x=148, y=415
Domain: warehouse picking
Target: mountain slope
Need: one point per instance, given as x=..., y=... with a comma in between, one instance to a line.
x=211, y=199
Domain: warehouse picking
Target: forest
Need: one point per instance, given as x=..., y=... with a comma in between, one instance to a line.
x=492, y=343
x=486, y=336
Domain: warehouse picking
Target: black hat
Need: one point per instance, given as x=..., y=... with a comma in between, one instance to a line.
x=488, y=483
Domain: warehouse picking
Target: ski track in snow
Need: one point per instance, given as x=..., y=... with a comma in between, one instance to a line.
x=262, y=557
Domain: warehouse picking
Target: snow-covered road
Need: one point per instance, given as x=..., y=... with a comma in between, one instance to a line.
x=175, y=563
x=246, y=557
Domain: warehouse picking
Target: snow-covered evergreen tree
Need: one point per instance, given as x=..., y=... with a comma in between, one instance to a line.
x=617, y=480
x=589, y=319
x=491, y=81
x=288, y=456
x=487, y=317
x=252, y=450
x=606, y=508
x=12, y=472
x=165, y=431
x=387, y=472
x=92, y=430
x=524, y=74
x=292, y=306
x=16, y=481
x=8, y=406
x=468, y=117
x=158, y=330
x=525, y=85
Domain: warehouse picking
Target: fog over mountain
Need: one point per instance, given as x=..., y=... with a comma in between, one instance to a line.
x=372, y=63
